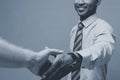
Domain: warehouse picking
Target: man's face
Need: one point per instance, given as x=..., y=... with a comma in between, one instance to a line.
x=85, y=7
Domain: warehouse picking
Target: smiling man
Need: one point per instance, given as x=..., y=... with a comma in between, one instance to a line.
x=92, y=44
x=97, y=41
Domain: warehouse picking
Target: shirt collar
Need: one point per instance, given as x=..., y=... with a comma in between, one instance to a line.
x=89, y=20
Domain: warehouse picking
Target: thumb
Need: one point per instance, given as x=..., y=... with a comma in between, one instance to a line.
x=52, y=69
x=54, y=52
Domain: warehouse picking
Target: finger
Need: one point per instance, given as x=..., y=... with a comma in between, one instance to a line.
x=48, y=73
x=55, y=75
x=44, y=67
x=60, y=73
x=52, y=69
x=55, y=52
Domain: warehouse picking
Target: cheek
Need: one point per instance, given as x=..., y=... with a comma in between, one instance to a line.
x=76, y=9
x=92, y=7
x=87, y=9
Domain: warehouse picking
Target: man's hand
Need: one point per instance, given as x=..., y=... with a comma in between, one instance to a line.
x=60, y=67
x=40, y=63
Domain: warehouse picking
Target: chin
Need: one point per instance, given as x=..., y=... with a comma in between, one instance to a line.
x=82, y=14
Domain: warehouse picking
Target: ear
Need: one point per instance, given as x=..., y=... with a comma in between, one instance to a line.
x=98, y=2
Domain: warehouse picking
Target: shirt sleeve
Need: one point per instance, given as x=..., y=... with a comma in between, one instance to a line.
x=100, y=53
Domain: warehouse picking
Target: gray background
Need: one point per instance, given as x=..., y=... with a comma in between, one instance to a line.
x=35, y=24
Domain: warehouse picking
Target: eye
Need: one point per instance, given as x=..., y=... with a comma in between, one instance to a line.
x=77, y=5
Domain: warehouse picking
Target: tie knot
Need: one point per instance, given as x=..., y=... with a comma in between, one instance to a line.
x=80, y=25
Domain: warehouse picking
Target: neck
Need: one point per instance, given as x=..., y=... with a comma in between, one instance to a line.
x=86, y=16
x=83, y=17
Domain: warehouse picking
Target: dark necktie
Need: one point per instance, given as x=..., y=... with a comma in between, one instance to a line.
x=77, y=46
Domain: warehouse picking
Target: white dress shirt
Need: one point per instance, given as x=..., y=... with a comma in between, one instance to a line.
x=97, y=48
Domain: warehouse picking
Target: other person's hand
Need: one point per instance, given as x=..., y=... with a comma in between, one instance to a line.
x=40, y=63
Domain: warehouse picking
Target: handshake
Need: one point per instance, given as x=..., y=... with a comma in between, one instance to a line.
x=63, y=64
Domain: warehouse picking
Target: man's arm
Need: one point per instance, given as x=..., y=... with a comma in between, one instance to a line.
x=101, y=52
x=14, y=56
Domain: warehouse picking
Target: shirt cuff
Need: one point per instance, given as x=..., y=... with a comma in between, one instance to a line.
x=86, y=57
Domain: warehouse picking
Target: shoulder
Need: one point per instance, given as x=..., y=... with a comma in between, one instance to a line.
x=102, y=25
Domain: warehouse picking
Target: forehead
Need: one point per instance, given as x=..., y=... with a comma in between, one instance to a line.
x=78, y=1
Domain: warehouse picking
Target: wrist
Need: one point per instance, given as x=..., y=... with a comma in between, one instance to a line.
x=32, y=61
x=31, y=58
x=76, y=56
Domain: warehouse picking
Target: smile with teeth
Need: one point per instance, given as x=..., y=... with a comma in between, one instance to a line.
x=82, y=8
